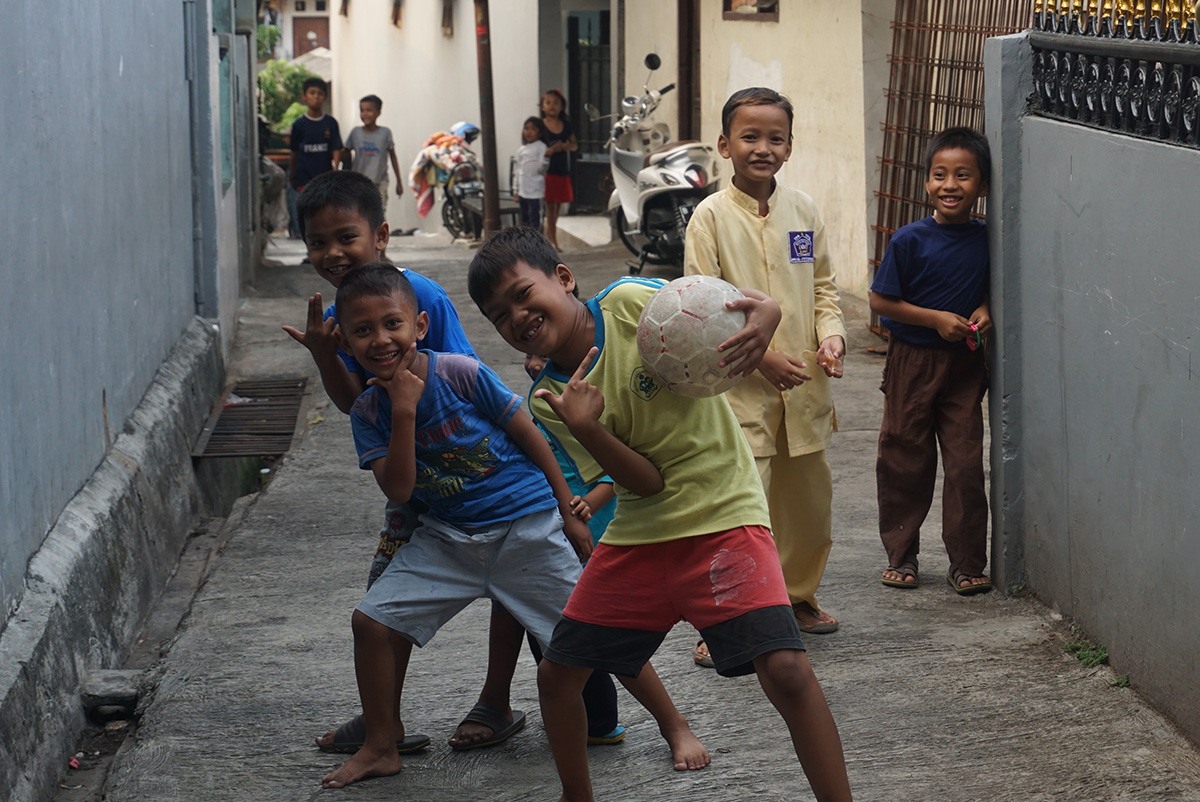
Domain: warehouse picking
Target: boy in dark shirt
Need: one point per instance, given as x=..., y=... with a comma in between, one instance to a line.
x=316, y=144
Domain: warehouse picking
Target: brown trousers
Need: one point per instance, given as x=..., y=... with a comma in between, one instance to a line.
x=932, y=398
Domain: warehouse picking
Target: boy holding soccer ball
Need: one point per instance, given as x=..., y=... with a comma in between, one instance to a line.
x=756, y=233
x=690, y=538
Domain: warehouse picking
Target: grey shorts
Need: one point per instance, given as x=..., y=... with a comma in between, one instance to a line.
x=527, y=565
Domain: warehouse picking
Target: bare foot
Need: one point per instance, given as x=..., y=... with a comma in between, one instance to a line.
x=687, y=753
x=364, y=765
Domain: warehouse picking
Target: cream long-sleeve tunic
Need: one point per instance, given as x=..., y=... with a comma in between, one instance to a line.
x=784, y=255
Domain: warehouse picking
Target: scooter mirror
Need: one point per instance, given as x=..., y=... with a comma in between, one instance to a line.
x=652, y=61
x=592, y=111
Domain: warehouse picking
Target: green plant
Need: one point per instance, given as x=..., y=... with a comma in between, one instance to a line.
x=1120, y=682
x=294, y=112
x=1084, y=650
x=279, y=87
x=268, y=37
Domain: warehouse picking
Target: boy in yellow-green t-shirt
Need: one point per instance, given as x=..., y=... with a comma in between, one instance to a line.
x=691, y=537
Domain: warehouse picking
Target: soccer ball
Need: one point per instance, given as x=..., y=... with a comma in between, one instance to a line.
x=679, y=331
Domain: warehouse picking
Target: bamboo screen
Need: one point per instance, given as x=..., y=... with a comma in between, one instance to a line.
x=936, y=81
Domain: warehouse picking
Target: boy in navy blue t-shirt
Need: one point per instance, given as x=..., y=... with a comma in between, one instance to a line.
x=931, y=292
x=316, y=144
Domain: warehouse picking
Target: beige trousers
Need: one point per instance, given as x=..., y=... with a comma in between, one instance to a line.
x=800, y=496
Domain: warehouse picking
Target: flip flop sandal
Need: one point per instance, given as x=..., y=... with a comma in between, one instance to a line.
x=817, y=627
x=502, y=728
x=904, y=569
x=614, y=737
x=701, y=657
x=349, y=738
x=955, y=578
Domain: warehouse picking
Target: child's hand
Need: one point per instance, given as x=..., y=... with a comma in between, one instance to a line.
x=782, y=371
x=982, y=318
x=579, y=536
x=581, y=402
x=745, y=349
x=830, y=354
x=951, y=327
x=318, y=335
x=404, y=388
x=581, y=509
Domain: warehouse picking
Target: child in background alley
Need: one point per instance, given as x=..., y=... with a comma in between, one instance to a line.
x=442, y=428
x=341, y=218
x=758, y=234
x=316, y=145
x=560, y=141
x=371, y=146
x=530, y=179
x=690, y=537
x=931, y=293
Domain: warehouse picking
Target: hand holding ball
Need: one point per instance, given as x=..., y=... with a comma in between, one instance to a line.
x=679, y=331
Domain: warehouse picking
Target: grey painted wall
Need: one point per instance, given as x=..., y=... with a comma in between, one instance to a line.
x=1100, y=291
x=97, y=225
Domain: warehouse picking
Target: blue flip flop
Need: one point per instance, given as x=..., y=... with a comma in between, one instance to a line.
x=614, y=737
x=502, y=728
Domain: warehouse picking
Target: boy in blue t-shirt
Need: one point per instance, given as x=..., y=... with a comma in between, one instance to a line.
x=341, y=218
x=931, y=292
x=443, y=429
x=594, y=503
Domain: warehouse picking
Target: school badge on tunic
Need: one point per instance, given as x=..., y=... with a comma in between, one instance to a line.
x=800, y=246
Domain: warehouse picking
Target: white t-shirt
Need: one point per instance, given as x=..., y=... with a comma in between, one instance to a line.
x=531, y=170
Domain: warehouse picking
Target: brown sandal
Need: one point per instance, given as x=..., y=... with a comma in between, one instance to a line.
x=904, y=569
x=956, y=578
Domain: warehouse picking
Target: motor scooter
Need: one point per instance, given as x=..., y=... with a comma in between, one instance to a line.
x=658, y=183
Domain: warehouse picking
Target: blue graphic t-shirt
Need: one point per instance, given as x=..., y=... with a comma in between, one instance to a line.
x=469, y=471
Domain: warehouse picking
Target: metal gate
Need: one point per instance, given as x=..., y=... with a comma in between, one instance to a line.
x=936, y=81
x=589, y=80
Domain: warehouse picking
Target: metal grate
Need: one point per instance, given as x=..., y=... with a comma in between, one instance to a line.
x=253, y=419
x=936, y=82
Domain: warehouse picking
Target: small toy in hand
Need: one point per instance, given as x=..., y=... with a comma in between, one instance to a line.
x=679, y=331
x=830, y=364
x=974, y=339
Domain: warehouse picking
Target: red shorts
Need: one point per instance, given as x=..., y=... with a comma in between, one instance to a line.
x=559, y=189
x=705, y=580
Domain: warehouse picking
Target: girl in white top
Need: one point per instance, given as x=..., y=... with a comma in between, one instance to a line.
x=530, y=178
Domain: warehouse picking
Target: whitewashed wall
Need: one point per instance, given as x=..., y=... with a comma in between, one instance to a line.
x=428, y=81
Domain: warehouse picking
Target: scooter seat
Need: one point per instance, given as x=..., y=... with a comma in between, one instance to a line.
x=659, y=153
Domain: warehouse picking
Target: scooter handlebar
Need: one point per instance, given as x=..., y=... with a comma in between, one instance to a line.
x=666, y=89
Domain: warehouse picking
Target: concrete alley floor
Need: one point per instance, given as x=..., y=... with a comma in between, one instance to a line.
x=937, y=697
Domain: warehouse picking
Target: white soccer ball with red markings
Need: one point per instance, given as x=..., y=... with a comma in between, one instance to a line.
x=679, y=331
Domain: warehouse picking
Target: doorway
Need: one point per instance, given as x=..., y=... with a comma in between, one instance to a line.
x=589, y=80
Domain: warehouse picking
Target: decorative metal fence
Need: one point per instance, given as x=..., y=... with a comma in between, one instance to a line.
x=1121, y=66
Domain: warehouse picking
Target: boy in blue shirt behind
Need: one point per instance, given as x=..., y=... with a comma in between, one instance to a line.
x=931, y=292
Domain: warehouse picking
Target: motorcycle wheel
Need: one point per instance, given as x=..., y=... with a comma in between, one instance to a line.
x=636, y=243
x=454, y=218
